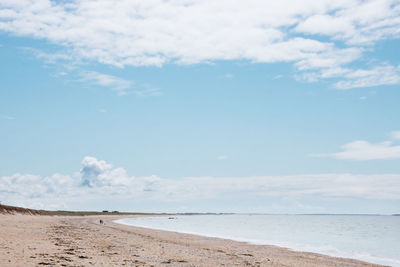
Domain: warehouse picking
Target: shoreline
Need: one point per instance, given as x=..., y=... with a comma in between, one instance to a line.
x=27, y=240
x=291, y=247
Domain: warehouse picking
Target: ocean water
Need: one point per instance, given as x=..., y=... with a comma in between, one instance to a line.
x=374, y=239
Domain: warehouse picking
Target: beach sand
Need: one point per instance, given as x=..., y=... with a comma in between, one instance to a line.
x=27, y=240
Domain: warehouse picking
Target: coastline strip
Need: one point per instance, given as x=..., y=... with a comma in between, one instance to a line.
x=68, y=241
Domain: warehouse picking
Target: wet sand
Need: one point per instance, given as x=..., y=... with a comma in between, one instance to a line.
x=27, y=240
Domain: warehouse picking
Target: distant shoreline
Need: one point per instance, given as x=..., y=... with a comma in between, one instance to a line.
x=7, y=209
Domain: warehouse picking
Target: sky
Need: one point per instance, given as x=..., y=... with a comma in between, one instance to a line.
x=201, y=106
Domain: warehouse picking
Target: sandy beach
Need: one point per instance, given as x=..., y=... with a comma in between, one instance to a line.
x=27, y=240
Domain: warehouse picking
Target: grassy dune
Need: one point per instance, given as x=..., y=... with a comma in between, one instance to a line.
x=5, y=209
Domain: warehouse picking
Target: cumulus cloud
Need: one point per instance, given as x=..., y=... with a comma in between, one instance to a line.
x=114, y=184
x=155, y=32
x=96, y=172
x=363, y=150
x=93, y=167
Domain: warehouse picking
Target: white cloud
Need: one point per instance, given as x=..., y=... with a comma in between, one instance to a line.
x=356, y=22
x=350, y=78
x=114, y=184
x=380, y=75
x=395, y=134
x=119, y=85
x=325, y=24
x=331, y=58
x=363, y=150
x=156, y=32
x=115, y=83
x=92, y=169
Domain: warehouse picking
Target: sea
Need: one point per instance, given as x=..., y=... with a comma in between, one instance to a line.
x=375, y=239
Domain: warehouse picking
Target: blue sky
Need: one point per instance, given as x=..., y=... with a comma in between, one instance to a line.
x=150, y=106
